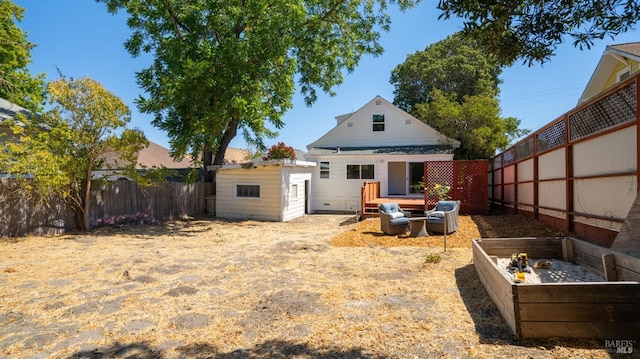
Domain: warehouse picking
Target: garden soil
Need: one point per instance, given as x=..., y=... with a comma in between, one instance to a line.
x=321, y=286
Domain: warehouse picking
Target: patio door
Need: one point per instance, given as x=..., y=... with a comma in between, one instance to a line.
x=416, y=178
x=397, y=176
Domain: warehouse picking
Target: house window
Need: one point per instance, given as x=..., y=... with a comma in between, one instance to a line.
x=624, y=74
x=248, y=190
x=360, y=172
x=378, y=122
x=324, y=170
x=294, y=192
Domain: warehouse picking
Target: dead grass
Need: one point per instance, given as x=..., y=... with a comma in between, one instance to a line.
x=316, y=287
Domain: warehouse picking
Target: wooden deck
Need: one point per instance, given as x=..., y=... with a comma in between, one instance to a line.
x=415, y=205
x=370, y=197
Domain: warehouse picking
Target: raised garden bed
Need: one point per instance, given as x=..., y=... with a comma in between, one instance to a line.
x=607, y=309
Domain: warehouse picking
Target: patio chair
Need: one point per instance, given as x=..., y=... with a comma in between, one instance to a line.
x=393, y=220
x=444, y=211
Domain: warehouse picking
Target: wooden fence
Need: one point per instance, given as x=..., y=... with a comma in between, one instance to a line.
x=579, y=172
x=115, y=203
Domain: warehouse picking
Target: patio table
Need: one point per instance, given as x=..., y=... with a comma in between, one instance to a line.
x=418, y=227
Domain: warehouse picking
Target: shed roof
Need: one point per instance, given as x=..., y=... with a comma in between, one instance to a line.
x=280, y=162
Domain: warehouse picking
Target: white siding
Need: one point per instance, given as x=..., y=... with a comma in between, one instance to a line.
x=293, y=204
x=267, y=207
x=337, y=193
x=400, y=129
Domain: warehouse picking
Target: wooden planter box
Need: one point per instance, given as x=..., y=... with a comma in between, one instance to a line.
x=604, y=310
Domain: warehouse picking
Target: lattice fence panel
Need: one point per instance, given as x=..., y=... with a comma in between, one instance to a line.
x=552, y=136
x=508, y=157
x=470, y=184
x=613, y=110
x=524, y=149
x=440, y=173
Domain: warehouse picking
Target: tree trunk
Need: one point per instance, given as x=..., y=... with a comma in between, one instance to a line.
x=86, y=205
x=228, y=135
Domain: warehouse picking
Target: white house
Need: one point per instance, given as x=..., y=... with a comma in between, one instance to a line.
x=274, y=190
x=378, y=142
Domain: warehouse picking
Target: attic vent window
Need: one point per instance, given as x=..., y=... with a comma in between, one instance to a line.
x=378, y=123
x=378, y=102
x=624, y=74
x=349, y=124
x=407, y=122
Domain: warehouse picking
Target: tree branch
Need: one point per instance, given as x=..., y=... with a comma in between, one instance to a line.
x=177, y=24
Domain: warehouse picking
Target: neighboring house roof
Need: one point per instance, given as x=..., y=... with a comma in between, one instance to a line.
x=236, y=155
x=400, y=130
x=9, y=110
x=617, y=63
x=152, y=156
x=158, y=156
x=388, y=150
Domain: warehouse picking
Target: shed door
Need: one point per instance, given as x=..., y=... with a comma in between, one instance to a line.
x=397, y=175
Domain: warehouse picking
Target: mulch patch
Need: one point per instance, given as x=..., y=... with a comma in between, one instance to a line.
x=502, y=225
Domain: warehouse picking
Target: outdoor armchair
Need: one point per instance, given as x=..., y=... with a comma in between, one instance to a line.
x=444, y=212
x=393, y=220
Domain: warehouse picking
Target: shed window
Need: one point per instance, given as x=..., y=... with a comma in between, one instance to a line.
x=324, y=170
x=360, y=172
x=378, y=122
x=248, y=190
x=294, y=192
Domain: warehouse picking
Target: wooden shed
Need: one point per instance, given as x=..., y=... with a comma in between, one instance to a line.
x=274, y=190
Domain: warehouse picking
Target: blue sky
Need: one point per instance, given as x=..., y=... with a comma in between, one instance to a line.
x=82, y=39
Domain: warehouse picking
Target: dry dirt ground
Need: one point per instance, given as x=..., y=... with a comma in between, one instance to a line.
x=322, y=286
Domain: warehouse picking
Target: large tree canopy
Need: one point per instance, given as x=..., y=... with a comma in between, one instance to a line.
x=531, y=30
x=61, y=149
x=16, y=82
x=226, y=65
x=475, y=122
x=453, y=86
x=454, y=65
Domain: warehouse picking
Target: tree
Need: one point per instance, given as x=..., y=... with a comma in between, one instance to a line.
x=226, y=65
x=531, y=30
x=475, y=122
x=16, y=82
x=58, y=152
x=454, y=65
x=280, y=151
x=453, y=86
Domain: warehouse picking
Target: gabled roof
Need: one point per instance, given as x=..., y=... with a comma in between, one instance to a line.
x=355, y=130
x=613, y=55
